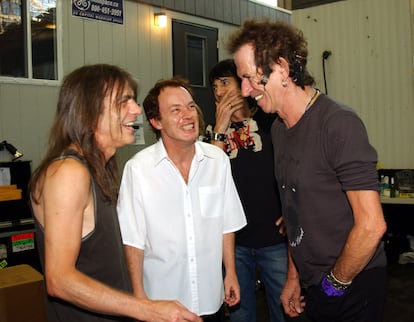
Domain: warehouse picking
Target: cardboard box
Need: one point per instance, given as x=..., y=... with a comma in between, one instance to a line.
x=22, y=296
x=10, y=192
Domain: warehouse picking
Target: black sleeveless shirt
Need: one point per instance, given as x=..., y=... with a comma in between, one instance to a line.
x=101, y=257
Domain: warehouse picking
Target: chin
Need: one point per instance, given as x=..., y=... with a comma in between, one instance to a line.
x=129, y=140
x=265, y=107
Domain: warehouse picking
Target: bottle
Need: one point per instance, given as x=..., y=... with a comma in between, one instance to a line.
x=382, y=184
x=386, y=190
x=393, y=189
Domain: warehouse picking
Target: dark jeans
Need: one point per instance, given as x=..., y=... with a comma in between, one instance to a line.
x=216, y=317
x=363, y=301
x=272, y=264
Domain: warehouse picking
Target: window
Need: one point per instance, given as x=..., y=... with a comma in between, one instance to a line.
x=28, y=41
x=196, y=64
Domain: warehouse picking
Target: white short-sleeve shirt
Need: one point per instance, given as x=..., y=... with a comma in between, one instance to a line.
x=180, y=226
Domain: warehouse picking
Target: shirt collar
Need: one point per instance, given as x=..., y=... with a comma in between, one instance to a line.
x=201, y=152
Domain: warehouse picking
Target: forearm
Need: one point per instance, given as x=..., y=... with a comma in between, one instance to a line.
x=135, y=263
x=231, y=283
x=357, y=252
x=292, y=273
x=229, y=253
x=97, y=297
x=85, y=292
x=364, y=237
x=290, y=297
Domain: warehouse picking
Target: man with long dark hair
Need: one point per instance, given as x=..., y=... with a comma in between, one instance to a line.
x=74, y=193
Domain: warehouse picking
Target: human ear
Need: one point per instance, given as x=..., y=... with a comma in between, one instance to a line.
x=156, y=123
x=284, y=66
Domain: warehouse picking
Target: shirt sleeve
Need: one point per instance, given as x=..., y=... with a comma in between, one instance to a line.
x=130, y=211
x=349, y=152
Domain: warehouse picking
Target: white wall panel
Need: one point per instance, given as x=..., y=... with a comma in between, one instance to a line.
x=370, y=69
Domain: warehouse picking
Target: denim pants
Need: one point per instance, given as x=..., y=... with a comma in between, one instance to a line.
x=272, y=264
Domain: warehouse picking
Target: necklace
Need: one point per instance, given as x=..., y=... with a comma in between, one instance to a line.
x=312, y=99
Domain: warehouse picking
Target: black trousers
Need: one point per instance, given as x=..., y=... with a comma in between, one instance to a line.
x=216, y=317
x=363, y=301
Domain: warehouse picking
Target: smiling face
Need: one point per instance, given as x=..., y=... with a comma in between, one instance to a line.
x=178, y=121
x=251, y=76
x=114, y=128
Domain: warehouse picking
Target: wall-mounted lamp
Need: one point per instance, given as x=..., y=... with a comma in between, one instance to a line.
x=160, y=19
x=12, y=150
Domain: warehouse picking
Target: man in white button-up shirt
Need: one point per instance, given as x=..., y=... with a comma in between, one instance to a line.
x=178, y=209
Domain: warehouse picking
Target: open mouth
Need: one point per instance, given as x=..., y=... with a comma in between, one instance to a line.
x=131, y=125
x=188, y=127
x=258, y=97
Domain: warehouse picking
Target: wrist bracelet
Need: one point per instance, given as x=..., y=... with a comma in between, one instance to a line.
x=329, y=289
x=337, y=283
x=332, y=286
x=218, y=137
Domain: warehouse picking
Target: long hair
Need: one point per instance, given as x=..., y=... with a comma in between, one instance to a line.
x=80, y=104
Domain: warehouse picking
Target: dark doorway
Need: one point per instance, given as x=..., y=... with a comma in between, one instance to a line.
x=194, y=54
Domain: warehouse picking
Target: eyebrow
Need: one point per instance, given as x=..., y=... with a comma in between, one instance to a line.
x=187, y=104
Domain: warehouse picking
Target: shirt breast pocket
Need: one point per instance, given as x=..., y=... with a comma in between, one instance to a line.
x=211, y=201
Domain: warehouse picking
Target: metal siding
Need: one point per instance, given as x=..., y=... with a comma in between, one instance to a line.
x=237, y=17
x=190, y=7
x=179, y=5
x=219, y=9
x=241, y=9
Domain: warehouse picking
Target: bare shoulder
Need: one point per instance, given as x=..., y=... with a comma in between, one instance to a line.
x=65, y=191
x=67, y=169
x=68, y=176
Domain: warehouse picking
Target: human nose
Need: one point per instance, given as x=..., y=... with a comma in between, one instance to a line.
x=220, y=91
x=135, y=108
x=246, y=87
x=188, y=113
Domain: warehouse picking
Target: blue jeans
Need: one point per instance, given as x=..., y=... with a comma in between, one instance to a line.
x=272, y=264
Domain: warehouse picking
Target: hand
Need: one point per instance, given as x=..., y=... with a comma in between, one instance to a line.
x=231, y=290
x=293, y=303
x=229, y=103
x=282, y=228
x=231, y=299
x=171, y=311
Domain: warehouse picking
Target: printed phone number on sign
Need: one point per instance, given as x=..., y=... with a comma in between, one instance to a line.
x=106, y=10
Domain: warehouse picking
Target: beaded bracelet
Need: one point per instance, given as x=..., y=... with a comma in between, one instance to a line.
x=332, y=286
x=337, y=283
